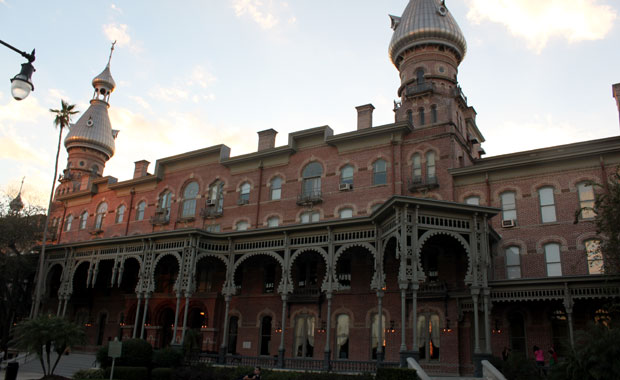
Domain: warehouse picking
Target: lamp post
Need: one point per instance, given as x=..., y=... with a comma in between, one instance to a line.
x=21, y=84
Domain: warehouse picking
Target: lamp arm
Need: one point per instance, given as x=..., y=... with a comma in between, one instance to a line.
x=30, y=57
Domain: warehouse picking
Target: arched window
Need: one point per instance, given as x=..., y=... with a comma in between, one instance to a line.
x=428, y=336
x=473, y=200
x=421, y=115
x=273, y=221
x=276, y=188
x=416, y=168
x=509, y=205
x=586, y=200
x=190, y=193
x=431, y=176
x=120, y=214
x=434, y=113
x=553, y=260
x=547, y=204
x=342, y=336
x=346, y=212
x=410, y=116
x=346, y=174
x=233, y=326
x=517, y=332
x=101, y=211
x=140, y=210
x=244, y=193
x=242, y=225
x=83, y=220
x=265, y=335
x=513, y=262
x=164, y=205
x=68, y=222
x=310, y=216
x=377, y=337
x=419, y=75
x=304, y=336
x=216, y=196
x=594, y=255
x=312, y=180
x=379, y=172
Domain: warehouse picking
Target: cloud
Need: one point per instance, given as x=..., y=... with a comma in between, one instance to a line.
x=120, y=34
x=114, y=7
x=201, y=77
x=181, y=90
x=140, y=100
x=266, y=13
x=537, y=21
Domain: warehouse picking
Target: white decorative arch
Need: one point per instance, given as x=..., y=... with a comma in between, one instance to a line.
x=156, y=261
x=361, y=244
x=428, y=234
x=74, y=270
x=203, y=255
x=298, y=252
x=273, y=254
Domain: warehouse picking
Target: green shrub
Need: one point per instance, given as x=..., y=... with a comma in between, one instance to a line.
x=161, y=373
x=518, y=367
x=135, y=353
x=87, y=374
x=167, y=357
x=129, y=373
x=396, y=374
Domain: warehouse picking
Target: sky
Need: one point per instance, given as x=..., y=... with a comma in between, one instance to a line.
x=198, y=73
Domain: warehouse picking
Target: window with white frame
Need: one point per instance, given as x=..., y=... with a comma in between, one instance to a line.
x=101, y=211
x=68, y=222
x=416, y=168
x=164, y=205
x=213, y=228
x=190, y=193
x=586, y=200
x=509, y=205
x=276, y=188
x=273, y=221
x=83, y=220
x=244, y=193
x=547, y=204
x=430, y=167
x=242, y=225
x=379, y=172
x=552, y=259
x=310, y=217
x=513, y=262
x=346, y=174
x=140, y=210
x=311, y=174
x=342, y=336
x=216, y=195
x=473, y=200
x=377, y=337
x=595, y=256
x=120, y=214
x=346, y=212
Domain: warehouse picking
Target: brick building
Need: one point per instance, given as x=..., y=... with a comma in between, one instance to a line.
x=290, y=254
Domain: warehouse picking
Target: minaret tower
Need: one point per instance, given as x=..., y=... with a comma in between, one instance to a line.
x=427, y=47
x=90, y=142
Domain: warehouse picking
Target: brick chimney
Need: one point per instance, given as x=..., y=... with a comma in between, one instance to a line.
x=364, y=116
x=267, y=139
x=616, y=93
x=141, y=168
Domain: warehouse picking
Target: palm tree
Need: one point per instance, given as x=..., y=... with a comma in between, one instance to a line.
x=62, y=120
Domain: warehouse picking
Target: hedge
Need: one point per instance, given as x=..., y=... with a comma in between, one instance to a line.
x=162, y=373
x=129, y=373
x=396, y=374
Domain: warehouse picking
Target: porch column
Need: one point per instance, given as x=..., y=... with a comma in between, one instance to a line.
x=568, y=306
x=60, y=301
x=64, y=307
x=380, y=326
x=146, y=309
x=414, y=323
x=135, y=323
x=176, y=318
x=281, y=348
x=187, y=297
x=474, y=296
x=328, y=344
x=403, y=307
x=487, y=322
x=224, y=345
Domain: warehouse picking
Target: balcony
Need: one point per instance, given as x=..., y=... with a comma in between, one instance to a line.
x=308, y=294
x=161, y=217
x=307, y=198
x=458, y=93
x=211, y=212
x=414, y=90
x=419, y=183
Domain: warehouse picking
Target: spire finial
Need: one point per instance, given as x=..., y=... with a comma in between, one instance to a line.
x=111, y=51
x=22, y=185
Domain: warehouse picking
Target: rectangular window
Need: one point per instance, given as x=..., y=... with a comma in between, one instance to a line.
x=552, y=258
x=547, y=205
x=509, y=206
x=473, y=200
x=213, y=228
x=595, y=257
x=269, y=278
x=513, y=262
x=586, y=200
x=310, y=217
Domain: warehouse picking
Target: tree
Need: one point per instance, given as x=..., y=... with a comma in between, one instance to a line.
x=62, y=120
x=46, y=334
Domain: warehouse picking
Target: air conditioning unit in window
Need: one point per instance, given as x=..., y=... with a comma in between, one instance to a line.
x=345, y=186
x=210, y=202
x=508, y=223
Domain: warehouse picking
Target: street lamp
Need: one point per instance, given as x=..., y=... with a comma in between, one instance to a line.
x=21, y=84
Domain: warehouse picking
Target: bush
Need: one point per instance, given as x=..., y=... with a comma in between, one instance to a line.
x=135, y=352
x=161, y=373
x=396, y=374
x=87, y=374
x=167, y=357
x=518, y=367
x=128, y=373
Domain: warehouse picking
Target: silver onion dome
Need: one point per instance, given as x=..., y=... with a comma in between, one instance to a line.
x=425, y=22
x=105, y=80
x=93, y=130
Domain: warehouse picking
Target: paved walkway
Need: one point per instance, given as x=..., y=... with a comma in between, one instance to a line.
x=68, y=365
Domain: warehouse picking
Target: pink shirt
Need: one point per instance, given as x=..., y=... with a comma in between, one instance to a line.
x=539, y=355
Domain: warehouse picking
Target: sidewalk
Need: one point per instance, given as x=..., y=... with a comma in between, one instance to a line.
x=68, y=365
